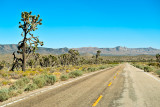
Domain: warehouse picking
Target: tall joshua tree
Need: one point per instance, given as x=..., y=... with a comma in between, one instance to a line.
x=158, y=58
x=74, y=54
x=64, y=59
x=29, y=42
x=97, y=55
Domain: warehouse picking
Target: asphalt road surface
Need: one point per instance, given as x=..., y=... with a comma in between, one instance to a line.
x=121, y=86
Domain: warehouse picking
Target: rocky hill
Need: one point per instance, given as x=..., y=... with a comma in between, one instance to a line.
x=120, y=51
x=10, y=48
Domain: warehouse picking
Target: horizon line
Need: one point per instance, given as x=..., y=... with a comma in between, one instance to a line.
x=89, y=47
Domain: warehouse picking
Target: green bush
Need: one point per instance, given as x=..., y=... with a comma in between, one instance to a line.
x=158, y=72
x=64, y=77
x=91, y=69
x=31, y=87
x=13, y=87
x=43, y=80
x=147, y=69
x=26, y=80
x=84, y=69
x=113, y=63
x=20, y=91
x=102, y=67
x=3, y=95
x=39, y=81
x=20, y=84
x=12, y=93
x=76, y=73
x=140, y=67
x=153, y=64
x=50, y=79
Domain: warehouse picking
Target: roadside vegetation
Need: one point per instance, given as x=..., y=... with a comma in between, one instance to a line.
x=153, y=67
x=13, y=83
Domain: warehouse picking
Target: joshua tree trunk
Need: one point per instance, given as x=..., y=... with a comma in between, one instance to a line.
x=96, y=59
x=24, y=54
x=24, y=59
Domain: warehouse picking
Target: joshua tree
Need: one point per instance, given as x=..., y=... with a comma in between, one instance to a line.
x=29, y=42
x=31, y=62
x=36, y=59
x=16, y=62
x=97, y=55
x=74, y=56
x=158, y=58
x=53, y=60
x=3, y=64
x=64, y=59
x=82, y=61
x=45, y=61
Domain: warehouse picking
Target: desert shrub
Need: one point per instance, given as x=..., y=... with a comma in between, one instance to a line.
x=139, y=66
x=43, y=80
x=102, y=67
x=13, y=87
x=12, y=93
x=67, y=71
x=152, y=64
x=50, y=79
x=20, y=91
x=64, y=77
x=147, y=69
x=5, y=75
x=15, y=76
x=76, y=73
x=26, y=80
x=136, y=66
x=113, y=63
x=84, y=69
x=158, y=72
x=91, y=69
x=39, y=81
x=3, y=94
x=31, y=87
x=21, y=83
x=5, y=82
x=48, y=69
x=57, y=74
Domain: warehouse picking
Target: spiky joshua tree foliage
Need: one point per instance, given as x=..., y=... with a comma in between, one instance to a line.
x=29, y=42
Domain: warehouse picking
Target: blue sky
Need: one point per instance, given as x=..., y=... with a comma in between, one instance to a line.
x=85, y=23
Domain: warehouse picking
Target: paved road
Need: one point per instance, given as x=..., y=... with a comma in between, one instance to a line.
x=122, y=86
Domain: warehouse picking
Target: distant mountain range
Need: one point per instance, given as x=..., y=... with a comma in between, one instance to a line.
x=117, y=51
